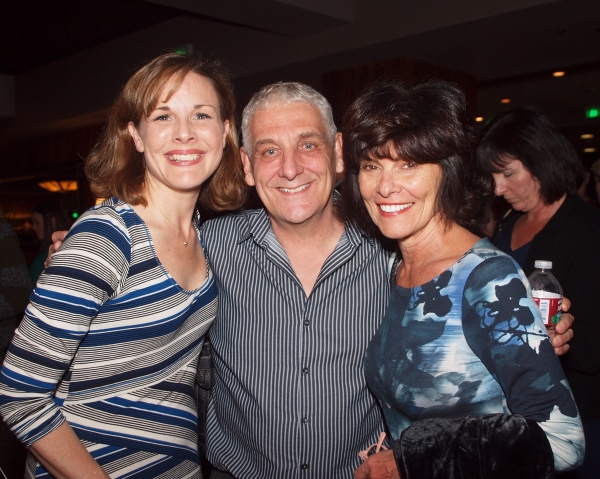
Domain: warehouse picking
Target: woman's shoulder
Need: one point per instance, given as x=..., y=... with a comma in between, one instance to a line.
x=484, y=250
x=113, y=220
x=112, y=212
x=6, y=230
x=486, y=262
x=581, y=211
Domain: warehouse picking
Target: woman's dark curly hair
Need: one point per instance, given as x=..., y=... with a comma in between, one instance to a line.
x=426, y=123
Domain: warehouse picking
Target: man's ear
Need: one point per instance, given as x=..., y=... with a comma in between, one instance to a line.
x=339, y=155
x=248, y=176
x=137, y=139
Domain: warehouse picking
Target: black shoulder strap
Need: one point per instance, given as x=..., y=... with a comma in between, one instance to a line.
x=204, y=383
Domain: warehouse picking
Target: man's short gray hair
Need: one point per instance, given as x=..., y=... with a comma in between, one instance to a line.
x=286, y=92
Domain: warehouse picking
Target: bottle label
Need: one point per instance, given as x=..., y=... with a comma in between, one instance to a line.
x=549, y=306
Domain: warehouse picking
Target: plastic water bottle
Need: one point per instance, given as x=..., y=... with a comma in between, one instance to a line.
x=546, y=292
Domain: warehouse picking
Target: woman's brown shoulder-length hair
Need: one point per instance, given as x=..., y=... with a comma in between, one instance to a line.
x=115, y=168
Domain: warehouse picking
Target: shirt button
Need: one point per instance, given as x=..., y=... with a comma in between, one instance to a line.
x=305, y=371
x=304, y=466
x=307, y=322
x=304, y=420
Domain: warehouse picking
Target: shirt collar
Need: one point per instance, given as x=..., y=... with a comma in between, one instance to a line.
x=258, y=226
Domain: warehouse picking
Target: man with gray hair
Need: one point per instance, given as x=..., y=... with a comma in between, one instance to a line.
x=301, y=295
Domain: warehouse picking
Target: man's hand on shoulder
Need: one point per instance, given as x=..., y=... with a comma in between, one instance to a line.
x=57, y=239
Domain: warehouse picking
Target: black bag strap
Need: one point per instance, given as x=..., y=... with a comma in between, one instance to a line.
x=204, y=383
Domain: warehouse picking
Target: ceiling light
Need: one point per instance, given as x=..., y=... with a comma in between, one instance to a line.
x=505, y=100
x=558, y=74
x=59, y=186
x=587, y=136
x=589, y=150
x=479, y=118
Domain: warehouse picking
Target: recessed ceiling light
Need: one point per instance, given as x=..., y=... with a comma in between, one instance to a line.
x=558, y=74
x=505, y=100
x=589, y=150
x=587, y=136
x=478, y=118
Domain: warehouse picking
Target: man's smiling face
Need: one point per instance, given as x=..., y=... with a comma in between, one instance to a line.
x=293, y=162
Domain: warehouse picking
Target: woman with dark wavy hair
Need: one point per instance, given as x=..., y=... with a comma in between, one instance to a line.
x=462, y=365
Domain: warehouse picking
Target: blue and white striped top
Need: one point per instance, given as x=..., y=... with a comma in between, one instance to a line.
x=290, y=398
x=109, y=342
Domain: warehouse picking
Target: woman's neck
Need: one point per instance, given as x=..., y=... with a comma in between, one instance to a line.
x=432, y=252
x=544, y=212
x=532, y=222
x=178, y=206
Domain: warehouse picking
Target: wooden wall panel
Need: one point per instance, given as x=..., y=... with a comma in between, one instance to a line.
x=40, y=154
x=342, y=86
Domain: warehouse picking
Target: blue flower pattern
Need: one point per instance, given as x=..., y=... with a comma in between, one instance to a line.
x=469, y=342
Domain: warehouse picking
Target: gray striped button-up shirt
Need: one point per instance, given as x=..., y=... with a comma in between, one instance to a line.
x=290, y=398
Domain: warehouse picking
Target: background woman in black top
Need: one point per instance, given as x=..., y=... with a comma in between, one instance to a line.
x=537, y=171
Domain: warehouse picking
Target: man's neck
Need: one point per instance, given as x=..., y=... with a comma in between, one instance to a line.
x=308, y=245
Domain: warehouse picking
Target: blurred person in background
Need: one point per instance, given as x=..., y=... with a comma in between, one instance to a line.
x=537, y=171
x=595, y=179
x=15, y=284
x=587, y=188
x=45, y=219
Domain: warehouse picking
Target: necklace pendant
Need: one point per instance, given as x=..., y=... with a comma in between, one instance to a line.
x=185, y=243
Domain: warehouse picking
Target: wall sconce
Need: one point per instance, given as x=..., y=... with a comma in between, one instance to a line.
x=59, y=186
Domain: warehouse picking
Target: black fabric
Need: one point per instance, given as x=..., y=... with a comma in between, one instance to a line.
x=495, y=446
x=204, y=384
x=571, y=240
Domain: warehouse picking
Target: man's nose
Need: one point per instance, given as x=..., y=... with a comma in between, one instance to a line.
x=291, y=165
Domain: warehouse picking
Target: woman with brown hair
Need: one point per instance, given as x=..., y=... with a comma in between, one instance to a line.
x=99, y=379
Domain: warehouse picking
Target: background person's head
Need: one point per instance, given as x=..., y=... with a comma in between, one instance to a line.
x=425, y=124
x=116, y=167
x=46, y=218
x=530, y=159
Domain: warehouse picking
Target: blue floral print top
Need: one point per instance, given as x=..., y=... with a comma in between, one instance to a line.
x=471, y=342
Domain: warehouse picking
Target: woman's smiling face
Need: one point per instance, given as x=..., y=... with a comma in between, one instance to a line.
x=183, y=138
x=400, y=195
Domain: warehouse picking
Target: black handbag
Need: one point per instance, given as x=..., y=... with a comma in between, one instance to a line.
x=204, y=384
